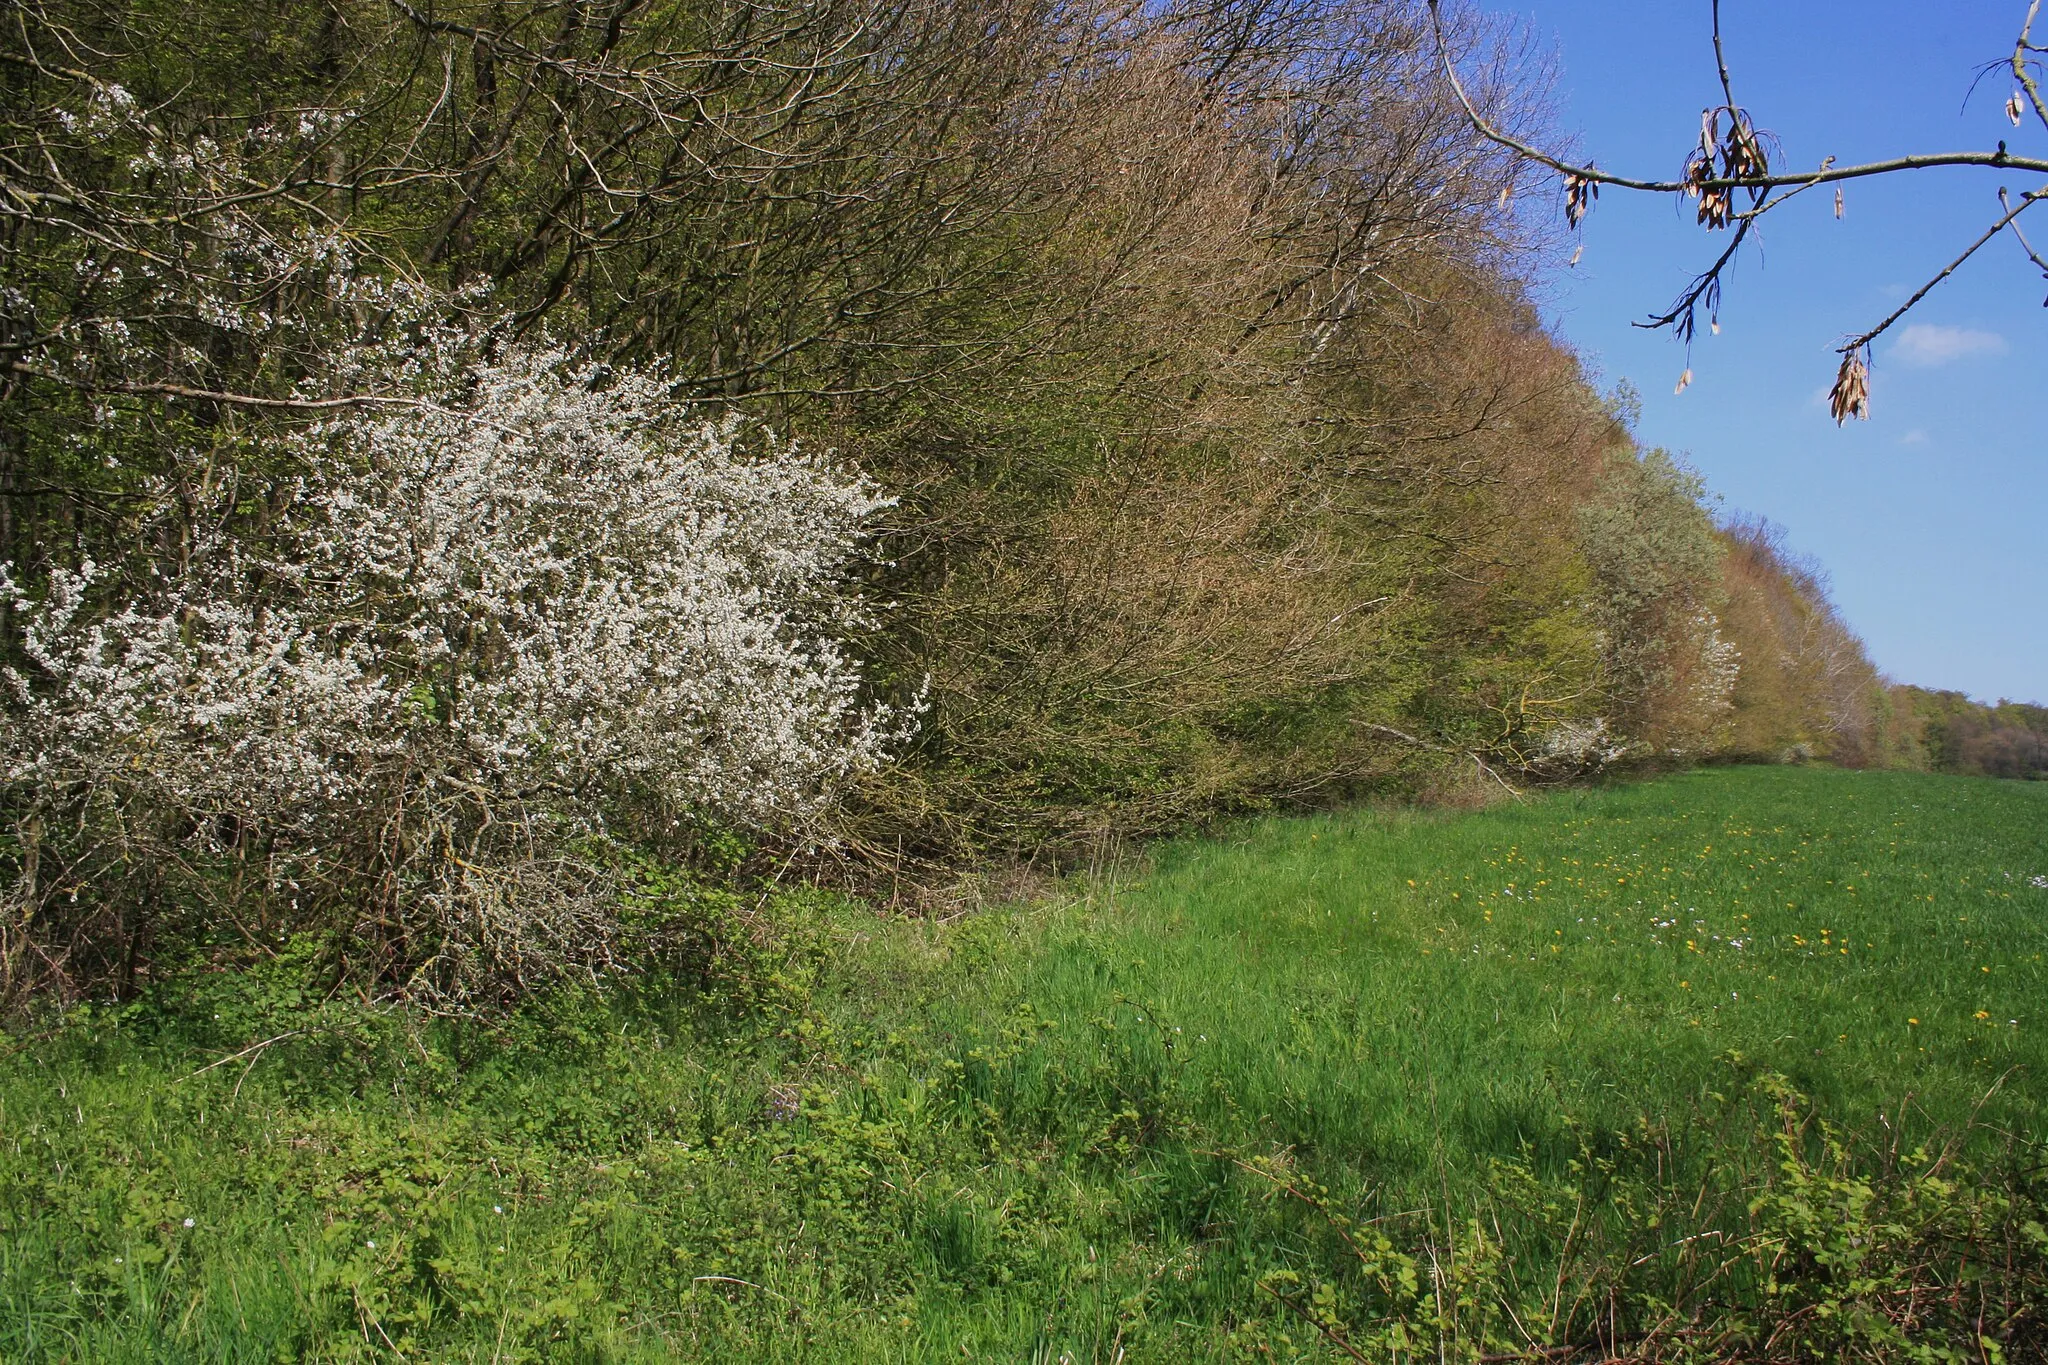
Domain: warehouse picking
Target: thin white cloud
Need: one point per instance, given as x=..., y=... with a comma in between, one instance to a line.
x=1926, y=345
x=1915, y=437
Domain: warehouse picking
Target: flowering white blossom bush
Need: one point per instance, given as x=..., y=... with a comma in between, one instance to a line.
x=1573, y=747
x=421, y=682
x=1710, y=666
x=1704, y=667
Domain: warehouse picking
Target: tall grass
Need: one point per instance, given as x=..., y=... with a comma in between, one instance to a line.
x=1740, y=1063
x=1401, y=982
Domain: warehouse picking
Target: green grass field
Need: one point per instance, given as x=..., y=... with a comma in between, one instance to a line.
x=1742, y=1062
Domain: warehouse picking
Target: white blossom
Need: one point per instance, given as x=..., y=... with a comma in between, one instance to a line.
x=467, y=638
x=1575, y=746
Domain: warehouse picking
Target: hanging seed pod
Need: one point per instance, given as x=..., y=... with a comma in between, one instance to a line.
x=1579, y=193
x=1699, y=169
x=1742, y=155
x=1850, y=396
x=2014, y=108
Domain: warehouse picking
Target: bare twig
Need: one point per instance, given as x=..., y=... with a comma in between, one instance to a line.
x=1472, y=754
x=1721, y=59
x=1826, y=175
x=2027, y=201
x=236, y=1056
x=2022, y=65
x=734, y=1279
x=1323, y=1329
x=1742, y=166
x=244, y=400
x=2011, y=222
x=1705, y=288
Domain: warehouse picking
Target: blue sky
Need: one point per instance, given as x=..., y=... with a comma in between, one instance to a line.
x=1932, y=517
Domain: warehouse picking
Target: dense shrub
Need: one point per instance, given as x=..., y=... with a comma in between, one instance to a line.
x=412, y=693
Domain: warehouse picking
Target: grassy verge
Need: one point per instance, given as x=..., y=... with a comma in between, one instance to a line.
x=1740, y=1063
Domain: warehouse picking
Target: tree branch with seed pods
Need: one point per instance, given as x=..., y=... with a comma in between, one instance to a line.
x=1729, y=172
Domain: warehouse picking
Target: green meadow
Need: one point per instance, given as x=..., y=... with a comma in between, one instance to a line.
x=1740, y=1063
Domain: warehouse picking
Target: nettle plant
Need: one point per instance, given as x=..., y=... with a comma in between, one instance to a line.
x=412, y=695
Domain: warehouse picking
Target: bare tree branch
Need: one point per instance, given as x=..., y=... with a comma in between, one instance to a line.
x=1705, y=288
x=1825, y=175
x=2027, y=201
x=240, y=400
x=2022, y=65
x=1743, y=166
x=2025, y=245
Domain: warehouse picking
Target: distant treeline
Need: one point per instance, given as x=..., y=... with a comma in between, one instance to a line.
x=1195, y=342
x=1946, y=732
x=1807, y=690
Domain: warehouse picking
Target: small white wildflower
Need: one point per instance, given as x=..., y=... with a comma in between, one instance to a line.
x=188, y=1222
